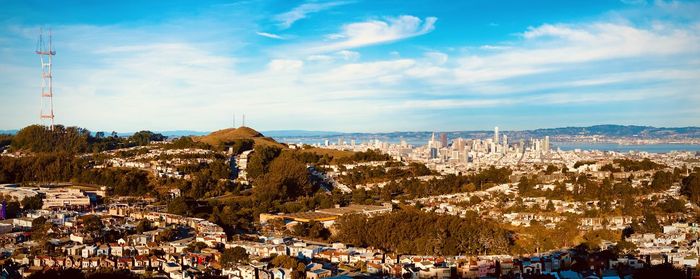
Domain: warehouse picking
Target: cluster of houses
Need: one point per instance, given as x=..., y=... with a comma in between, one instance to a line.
x=677, y=244
x=339, y=261
x=162, y=162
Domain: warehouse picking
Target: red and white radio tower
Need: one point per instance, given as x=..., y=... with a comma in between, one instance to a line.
x=45, y=50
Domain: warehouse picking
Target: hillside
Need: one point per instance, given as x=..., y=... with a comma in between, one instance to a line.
x=227, y=135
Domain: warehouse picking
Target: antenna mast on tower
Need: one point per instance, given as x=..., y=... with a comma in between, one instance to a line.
x=45, y=51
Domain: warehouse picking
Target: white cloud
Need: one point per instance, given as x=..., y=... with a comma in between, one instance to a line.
x=270, y=35
x=285, y=20
x=320, y=58
x=349, y=55
x=185, y=82
x=437, y=58
x=373, y=32
x=285, y=65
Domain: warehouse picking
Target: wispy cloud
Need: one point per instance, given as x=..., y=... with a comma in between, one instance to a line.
x=373, y=32
x=270, y=35
x=287, y=19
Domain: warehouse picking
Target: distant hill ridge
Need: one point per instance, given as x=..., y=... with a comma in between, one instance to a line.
x=217, y=137
x=608, y=130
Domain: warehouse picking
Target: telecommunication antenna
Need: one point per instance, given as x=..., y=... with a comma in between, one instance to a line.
x=243, y=125
x=45, y=51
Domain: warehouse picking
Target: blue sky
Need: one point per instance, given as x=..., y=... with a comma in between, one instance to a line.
x=351, y=65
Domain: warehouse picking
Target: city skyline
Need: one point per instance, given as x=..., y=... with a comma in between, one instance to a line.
x=341, y=65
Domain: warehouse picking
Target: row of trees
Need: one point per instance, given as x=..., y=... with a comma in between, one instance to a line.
x=52, y=167
x=412, y=187
x=364, y=156
x=41, y=139
x=371, y=174
x=411, y=231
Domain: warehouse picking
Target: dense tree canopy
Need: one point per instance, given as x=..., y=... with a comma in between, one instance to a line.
x=691, y=187
x=260, y=160
x=415, y=232
x=365, y=156
x=41, y=139
x=233, y=256
x=53, y=167
x=145, y=137
x=285, y=180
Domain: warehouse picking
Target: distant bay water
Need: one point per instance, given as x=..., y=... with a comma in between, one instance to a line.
x=651, y=148
x=567, y=146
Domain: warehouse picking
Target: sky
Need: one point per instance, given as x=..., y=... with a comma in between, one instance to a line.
x=353, y=65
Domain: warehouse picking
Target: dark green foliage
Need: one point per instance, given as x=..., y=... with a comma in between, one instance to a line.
x=186, y=142
x=237, y=145
x=492, y=175
x=53, y=167
x=662, y=181
x=142, y=138
x=233, y=256
x=416, y=232
x=660, y=271
x=672, y=205
x=260, y=160
x=12, y=210
x=196, y=247
x=635, y=165
x=365, y=156
x=411, y=187
x=581, y=163
x=39, y=138
x=550, y=169
x=297, y=266
x=143, y=226
x=313, y=230
x=168, y=234
x=610, y=168
x=372, y=174
x=691, y=187
x=92, y=224
x=208, y=180
x=5, y=140
x=526, y=185
x=649, y=225
x=34, y=202
x=285, y=180
x=38, y=222
x=182, y=206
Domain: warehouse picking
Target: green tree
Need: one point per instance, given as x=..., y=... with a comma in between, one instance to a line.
x=550, y=206
x=143, y=226
x=12, y=210
x=181, y=206
x=168, y=234
x=261, y=159
x=92, y=224
x=145, y=137
x=233, y=256
x=286, y=179
x=690, y=187
x=33, y=203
